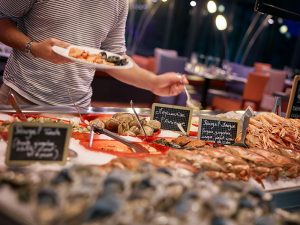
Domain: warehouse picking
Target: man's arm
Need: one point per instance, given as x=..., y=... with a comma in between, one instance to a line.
x=10, y=35
x=164, y=85
x=10, y=11
x=167, y=84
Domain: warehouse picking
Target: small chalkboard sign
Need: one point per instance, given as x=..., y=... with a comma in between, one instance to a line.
x=171, y=115
x=293, y=109
x=37, y=142
x=218, y=130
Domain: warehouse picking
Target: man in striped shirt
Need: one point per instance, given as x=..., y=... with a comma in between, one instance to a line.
x=39, y=76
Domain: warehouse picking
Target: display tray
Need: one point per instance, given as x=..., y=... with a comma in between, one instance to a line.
x=287, y=198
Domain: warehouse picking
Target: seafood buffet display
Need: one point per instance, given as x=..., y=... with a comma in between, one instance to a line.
x=183, y=180
x=140, y=193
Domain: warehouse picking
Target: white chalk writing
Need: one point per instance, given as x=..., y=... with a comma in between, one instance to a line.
x=36, y=149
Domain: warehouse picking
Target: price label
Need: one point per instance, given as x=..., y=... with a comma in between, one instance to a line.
x=218, y=130
x=170, y=116
x=293, y=109
x=37, y=142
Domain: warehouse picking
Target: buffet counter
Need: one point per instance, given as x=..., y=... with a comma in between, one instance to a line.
x=104, y=181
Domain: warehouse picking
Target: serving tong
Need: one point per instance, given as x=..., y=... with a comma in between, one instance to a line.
x=180, y=127
x=76, y=107
x=137, y=148
x=247, y=115
x=277, y=106
x=138, y=119
x=13, y=102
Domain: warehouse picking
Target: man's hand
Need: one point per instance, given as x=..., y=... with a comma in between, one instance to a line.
x=169, y=84
x=44, y=50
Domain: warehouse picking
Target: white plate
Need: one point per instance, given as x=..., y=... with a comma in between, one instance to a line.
x=65, y=53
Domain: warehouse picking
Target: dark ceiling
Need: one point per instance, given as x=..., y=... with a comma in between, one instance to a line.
x=246, y=1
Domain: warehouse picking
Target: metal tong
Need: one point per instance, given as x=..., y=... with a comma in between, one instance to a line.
x=76, y=107
x=137, y=148
x=277, y=106
x=13, y=102
x=138, y=119
x=247, y=115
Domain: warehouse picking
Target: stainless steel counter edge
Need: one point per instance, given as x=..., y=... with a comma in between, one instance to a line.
x=89, y=110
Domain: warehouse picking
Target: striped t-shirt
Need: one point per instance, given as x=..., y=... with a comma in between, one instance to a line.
x=92, y=23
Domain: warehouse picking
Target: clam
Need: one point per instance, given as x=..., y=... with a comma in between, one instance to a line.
x=123, y=117
x=123, y=128
x=112, y=124
x=103, y=55
x=129, y=133
x=135, y=130
x=149, y=131
x=98, y=123
x=155, y=124
x=118, y=61
x=134, y=123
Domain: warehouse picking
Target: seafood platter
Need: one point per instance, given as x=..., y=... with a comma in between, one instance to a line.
x=93, y=57
x=177, y=179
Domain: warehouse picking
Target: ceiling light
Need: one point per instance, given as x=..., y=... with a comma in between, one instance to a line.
x=193, y=3
x=221, y=22
x=283, y=29
x=211, y=7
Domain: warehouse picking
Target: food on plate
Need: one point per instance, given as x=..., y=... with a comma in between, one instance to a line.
x=100, y=58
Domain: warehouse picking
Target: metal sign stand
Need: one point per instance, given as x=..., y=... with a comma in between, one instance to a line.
x=277, y=106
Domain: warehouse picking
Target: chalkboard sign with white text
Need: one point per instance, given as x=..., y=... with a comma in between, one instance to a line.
x=218, y=130
x=37, y=142
x=293, y=109
x=170, y=116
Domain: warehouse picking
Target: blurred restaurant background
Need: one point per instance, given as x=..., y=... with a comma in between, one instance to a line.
x=232, y=55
